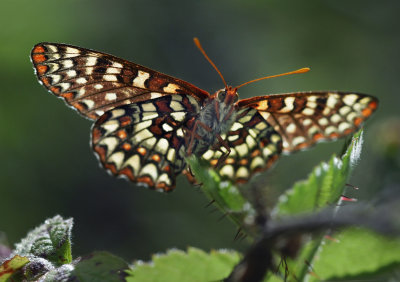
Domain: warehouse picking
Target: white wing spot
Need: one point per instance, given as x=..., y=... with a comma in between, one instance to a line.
x=227, y=170
x=117, y=113
x=289, y=105
x=171, y=155
x=134, y=163
x=164, y=178
x=113, y=70
x=117, y=65
x=149, y=107
x=350, y=99
x=142, y=125
x=111, y=96
x=291, y=128
x=110, y=77
x=331, y=101
x=72, y=50
x=343, y=126
x=89, y=103
x=298, y=140
x=117, y=158
x=142, y=135
x=236, y=126
x=162, y=146
x=151, y=170
x=111, y=143
x=171, y=88
x=275, y=138
x=110, y=125
x=242, y=172
x=256, y=162
x=242, y=149
x=89, y=70
x=178, y=116
x=81, y=80
x=154, y=95
x=329, y=130
x=336, y=118
x=64, y=86
x=307, y=122
x=91, y=61
x=55, y=78
x=149, y=115
x=67, y=64
x=98, y=86
x=140, y=79
x=344, y=110
x=208, y=155
x=308, y=111
x=323, y=121
x=99, y=112
x=52, y=48
x=71, y=73
x=167, y=127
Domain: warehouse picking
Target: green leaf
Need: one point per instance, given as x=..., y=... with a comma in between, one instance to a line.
x=193, y=265
x=51, y=241
x=98, y=266
x=11, y=267
x=324, y=185
x=227, y=197
x=356, y=253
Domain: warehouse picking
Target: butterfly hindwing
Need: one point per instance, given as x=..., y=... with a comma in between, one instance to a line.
x=254, y=146
x=305, y=118
x=145, y=141
x=93, y=82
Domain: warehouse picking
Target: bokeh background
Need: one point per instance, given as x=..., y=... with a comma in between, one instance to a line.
x=48, y=168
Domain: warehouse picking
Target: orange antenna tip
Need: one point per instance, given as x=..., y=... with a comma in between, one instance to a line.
x=303, y=70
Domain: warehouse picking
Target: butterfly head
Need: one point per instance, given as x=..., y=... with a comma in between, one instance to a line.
x=227, y=95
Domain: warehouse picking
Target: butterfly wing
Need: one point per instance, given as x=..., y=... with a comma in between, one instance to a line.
x=305, y=118
x=93, y=82
x=254, y=146
x=145, y=141
x=266, y=126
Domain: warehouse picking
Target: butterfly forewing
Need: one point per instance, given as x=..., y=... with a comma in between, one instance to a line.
x=93, y=82
x=145, y=141
x=304, y=118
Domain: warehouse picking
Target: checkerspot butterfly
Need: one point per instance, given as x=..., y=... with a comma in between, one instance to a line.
x=147, y=122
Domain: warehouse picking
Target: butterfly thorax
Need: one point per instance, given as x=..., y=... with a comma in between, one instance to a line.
x=215, y=119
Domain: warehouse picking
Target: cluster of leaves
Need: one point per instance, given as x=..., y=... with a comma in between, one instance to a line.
x=304, y=215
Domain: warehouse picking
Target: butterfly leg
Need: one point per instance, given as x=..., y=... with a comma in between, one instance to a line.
x=225, y=154
x=191, y=137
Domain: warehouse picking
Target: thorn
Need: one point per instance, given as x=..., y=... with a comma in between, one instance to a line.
x=237, y=234
x=210, y=203
x=352, y=186
x=311, y=270
x=347, y=199
x=331, y=238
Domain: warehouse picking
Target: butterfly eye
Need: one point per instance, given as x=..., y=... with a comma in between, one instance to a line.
x=221, y=94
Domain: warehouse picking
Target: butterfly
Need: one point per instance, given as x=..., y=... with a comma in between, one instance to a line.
x=147, y=122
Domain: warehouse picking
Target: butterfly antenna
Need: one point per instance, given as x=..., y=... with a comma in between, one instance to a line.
x=302, y=70
x=198, y=45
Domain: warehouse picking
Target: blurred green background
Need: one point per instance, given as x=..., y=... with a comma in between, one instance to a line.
x=48, y=168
